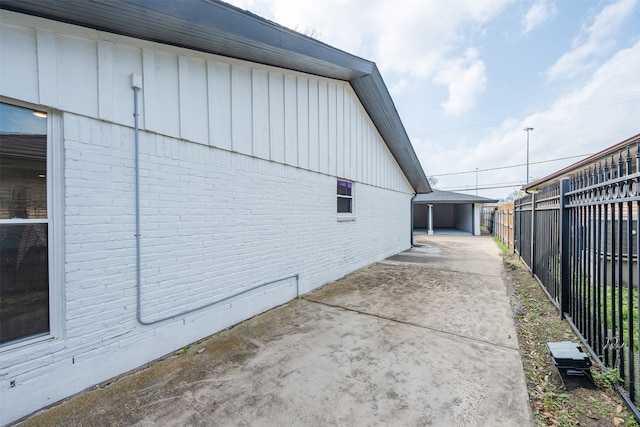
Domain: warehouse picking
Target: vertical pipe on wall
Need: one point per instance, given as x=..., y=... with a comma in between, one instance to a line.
x=411, y=225
x=137, y=191
x=136, y=84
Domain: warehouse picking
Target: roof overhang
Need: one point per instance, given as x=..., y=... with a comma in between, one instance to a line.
x=215, y=27
x=441, y=197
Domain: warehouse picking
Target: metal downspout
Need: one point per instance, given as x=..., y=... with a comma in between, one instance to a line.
x=136, y=84
x=136, y=89
x=411, y=225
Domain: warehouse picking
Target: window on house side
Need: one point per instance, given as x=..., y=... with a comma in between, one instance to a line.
x=24, y=224
x=345, y=196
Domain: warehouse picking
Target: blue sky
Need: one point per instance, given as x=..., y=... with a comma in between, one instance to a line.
x=468, y=76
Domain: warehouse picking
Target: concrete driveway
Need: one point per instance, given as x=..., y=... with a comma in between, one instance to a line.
x=425, y=337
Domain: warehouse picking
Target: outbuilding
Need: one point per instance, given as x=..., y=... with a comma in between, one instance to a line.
x=448, y=212
x=169, y=169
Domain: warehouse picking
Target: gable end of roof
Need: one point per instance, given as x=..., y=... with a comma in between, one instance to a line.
x=218, y=28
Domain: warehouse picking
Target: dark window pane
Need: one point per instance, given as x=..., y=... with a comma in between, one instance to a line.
x=23, y=163
x=24, y=281
x=344, y=205
x=344, y=188
x=23, y=188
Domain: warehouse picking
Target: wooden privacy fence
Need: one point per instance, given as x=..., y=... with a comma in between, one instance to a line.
x=498, y=220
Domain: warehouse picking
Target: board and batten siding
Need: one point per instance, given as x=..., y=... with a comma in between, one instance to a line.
x=238, y=167
x=278, y=115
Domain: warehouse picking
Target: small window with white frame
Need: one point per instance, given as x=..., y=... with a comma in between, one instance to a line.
x=345, y=197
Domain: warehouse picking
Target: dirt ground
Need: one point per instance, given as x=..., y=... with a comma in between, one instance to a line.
x=426, y=337
x=538, y=322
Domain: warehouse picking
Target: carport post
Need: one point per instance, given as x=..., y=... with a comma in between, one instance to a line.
x=430, y=231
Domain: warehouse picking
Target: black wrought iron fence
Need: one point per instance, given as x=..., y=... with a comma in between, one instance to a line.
x=579, y=239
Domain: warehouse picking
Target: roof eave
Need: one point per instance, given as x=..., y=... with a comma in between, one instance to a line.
x=222, y=29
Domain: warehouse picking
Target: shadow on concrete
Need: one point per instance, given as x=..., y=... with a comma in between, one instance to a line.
x=454, y=231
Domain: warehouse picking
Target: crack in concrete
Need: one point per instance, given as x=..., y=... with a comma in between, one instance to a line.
x=421, y=265
x=417, y=325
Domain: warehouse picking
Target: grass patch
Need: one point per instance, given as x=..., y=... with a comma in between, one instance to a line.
x=613, y=300
x=504, y=248
x=538, y=322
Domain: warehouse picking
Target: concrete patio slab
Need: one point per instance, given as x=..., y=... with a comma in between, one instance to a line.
x=423, y=338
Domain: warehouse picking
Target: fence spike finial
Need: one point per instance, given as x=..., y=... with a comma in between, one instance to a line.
x=600, y=179
x=638, y=156
x=612, y=168
x=606, y=170
x=628, y=161
x=620, y=165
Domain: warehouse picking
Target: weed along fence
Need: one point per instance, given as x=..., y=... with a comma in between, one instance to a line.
x=579, y=237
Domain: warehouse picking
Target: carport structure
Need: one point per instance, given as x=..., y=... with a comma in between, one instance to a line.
x=448, y=211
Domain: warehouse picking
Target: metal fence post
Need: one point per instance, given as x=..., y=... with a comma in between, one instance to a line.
x=517, y=231
x=533, y=234
x=565, y=277
x=510, y=228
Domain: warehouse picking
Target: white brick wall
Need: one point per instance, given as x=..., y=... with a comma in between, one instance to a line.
x=212, y=222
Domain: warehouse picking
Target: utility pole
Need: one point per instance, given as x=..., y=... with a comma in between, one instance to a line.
x=476, y=181
x=528, y=129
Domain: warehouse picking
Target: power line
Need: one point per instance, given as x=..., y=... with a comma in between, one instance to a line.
x=482, y=188
x=505, y=184
x=511, y=166
x=596, y=103
x=488, y=185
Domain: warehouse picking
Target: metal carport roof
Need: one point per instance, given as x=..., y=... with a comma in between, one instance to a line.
x=450, y=197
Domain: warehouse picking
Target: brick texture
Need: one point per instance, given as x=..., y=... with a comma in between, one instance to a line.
x=213, y=223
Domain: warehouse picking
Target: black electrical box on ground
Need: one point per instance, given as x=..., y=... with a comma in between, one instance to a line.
x=572, y=363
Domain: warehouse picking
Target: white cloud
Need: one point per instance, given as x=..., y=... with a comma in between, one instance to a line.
x=415, y=37
x=334, y=19
x=415, y=40
x=594, y=42
x=603, y=111
x=541, y=12
x=419, y=45
x=399, y=86
x=465, y=79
